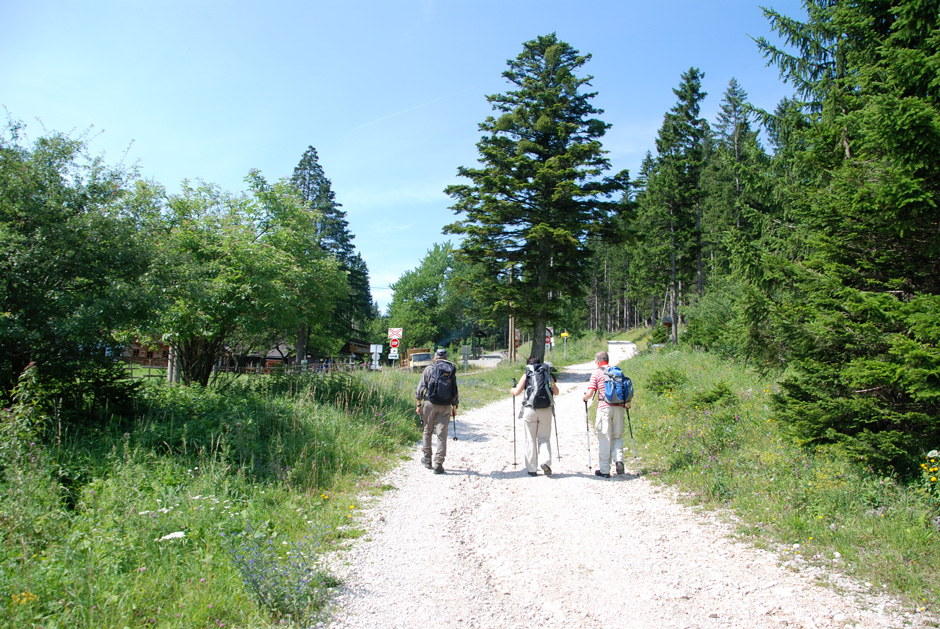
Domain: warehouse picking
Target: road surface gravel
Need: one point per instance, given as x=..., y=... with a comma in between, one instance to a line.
x=487, y=546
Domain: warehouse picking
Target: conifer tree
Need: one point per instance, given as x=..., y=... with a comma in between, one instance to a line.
x=335, y=238
x=540, y=190
x=670, y=207
x=861, y=255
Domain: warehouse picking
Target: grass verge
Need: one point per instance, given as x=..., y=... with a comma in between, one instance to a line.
x=704, y=425
x=210, y=508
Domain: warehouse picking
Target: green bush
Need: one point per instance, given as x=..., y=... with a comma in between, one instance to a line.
x=712, y=321
x=665, y=379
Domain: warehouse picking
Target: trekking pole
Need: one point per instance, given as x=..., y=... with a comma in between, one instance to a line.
x=514, y=425
x=636, y=465
x=454, y=417
x=557, y=447
x=587, y=433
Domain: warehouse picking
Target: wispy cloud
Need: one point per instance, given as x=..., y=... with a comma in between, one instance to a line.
x=399, y=113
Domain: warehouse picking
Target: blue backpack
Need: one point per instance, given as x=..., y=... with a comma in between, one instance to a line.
x=618, y=388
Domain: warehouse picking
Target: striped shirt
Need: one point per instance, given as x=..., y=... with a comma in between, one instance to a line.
x=597, y=384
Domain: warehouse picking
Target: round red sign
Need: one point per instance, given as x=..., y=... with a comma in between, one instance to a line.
x=393, y=342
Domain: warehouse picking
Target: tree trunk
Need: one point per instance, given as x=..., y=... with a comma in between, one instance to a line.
x=538, y=339
x=197, y=356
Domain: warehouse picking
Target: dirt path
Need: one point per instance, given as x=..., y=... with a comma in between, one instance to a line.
x=488, y=546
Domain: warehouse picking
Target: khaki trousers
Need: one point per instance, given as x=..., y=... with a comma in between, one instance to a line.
x=436, y=418
x=609, y=436
x=538, y=436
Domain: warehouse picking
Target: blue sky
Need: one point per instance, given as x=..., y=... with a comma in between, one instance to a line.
x=389, y=93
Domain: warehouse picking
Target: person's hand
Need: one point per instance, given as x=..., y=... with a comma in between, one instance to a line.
x=453, y=411
x=418, y=409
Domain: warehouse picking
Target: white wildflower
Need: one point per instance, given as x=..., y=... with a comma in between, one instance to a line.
x=176, y=535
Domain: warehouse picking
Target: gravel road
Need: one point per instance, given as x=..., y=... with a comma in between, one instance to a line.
x=487, y=546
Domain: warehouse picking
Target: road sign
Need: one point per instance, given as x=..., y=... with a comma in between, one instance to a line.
x=394, y=343
x=393, y=353
x=394, y=333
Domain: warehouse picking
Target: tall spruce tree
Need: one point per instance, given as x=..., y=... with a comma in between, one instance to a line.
x=334, y=236
x=861, y=253
x=670, y=208
x=540, y=189
x=735, y=182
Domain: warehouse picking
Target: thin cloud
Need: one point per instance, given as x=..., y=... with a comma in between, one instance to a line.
x=399, y=113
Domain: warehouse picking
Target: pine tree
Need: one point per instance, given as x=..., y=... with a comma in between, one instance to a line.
x=861, y=255
x=670, y=207
x=540, y=190
x=334, y=237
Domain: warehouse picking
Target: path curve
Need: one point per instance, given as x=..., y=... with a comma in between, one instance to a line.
x=487, y=546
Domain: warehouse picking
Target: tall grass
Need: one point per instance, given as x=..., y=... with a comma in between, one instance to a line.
x=206, y=509
x=704, y=425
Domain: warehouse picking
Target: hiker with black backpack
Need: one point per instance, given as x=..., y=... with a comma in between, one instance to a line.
x=614, y=392
x=540, y=391
x=437, y=402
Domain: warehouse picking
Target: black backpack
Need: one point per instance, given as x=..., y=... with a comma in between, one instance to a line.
x=442, y=385
x=538, y=386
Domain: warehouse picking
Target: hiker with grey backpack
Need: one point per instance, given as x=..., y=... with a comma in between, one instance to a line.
x=540, y=389
x=438, y=399
x=614, y=391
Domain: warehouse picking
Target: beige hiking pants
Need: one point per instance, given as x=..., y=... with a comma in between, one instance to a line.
x=538, y=437
x=436, y=418
x=609, y=436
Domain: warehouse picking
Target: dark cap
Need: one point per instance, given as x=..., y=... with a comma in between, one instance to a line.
x=441, y=353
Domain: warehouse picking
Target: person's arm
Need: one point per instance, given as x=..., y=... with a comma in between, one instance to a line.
x=592, y=389
x=520, y=386
x=421, y=390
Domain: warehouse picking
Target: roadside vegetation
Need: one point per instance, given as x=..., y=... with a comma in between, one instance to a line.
x=209, y=508
x=705, y=425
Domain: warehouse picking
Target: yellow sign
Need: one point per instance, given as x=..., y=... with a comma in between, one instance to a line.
x=565, y=334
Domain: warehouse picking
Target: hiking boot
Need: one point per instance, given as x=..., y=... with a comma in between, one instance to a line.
x=426, y=463
x=601, y=474
x=532, y=473
x=620, y=467
x=439, y=469
x=546, y=469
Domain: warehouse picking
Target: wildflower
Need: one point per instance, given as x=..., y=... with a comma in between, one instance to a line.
x=176, y=535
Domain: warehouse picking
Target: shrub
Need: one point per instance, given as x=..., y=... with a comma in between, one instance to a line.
x=665, y=379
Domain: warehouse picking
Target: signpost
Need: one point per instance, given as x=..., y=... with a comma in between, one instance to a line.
x=565, y=335
x=376, y=352
x=394, y=336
